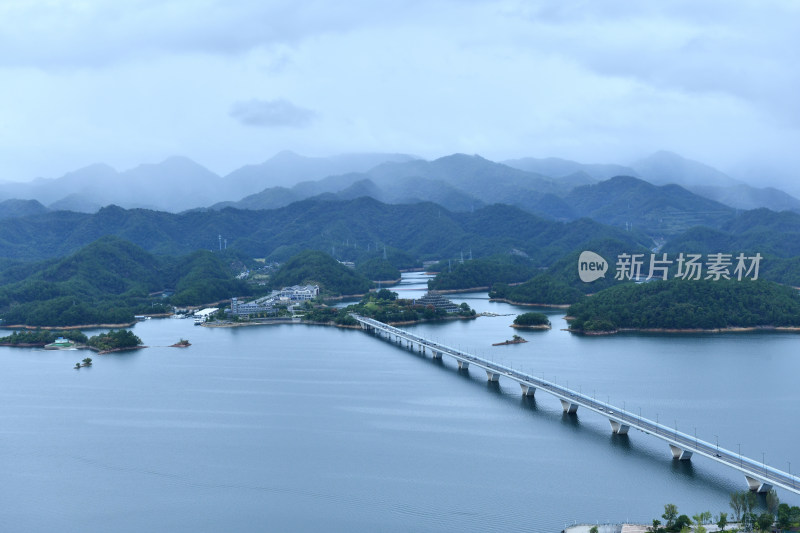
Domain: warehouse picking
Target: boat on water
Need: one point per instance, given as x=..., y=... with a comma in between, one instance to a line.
x=198, y=321
x=60, y=344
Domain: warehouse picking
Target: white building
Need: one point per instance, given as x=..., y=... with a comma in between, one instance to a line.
x=300, y=292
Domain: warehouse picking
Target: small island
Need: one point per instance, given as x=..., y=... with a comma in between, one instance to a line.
x=114, y=341
x=86, y=362
x=183, y=343
x=532, y=321
x=514, y=340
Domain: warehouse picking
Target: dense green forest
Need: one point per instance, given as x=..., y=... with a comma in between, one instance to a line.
x=531, y=319
x=776, y=236
x=482, y=272
x=41, y=337
x=114, y=340
x=683, y=304
x=108, y=282
x=664, y=210
x=313, y=267
x=64, y=268
x=543, y=289
x=560, y=284
x=354, y=230
x=378, y=269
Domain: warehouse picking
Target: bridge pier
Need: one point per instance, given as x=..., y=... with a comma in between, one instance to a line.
x=463, y=365
x=527, y=390
x=678, y=453
x=569, y=407
x=492, y=376
x=756, y=485
x=436, y=355
x=619, y=428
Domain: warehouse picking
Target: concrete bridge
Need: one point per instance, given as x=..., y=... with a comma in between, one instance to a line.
x=759, y=476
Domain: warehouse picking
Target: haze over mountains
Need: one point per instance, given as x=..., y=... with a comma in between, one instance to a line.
x=664, y=191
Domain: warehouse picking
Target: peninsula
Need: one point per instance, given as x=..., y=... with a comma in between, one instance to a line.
x=681, y=306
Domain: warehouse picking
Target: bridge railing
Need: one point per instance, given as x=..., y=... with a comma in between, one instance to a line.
x=613, y=412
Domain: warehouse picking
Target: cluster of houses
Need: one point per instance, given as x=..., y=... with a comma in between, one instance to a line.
x=267, y=304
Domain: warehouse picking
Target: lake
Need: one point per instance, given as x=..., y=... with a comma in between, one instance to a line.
x=302, y=428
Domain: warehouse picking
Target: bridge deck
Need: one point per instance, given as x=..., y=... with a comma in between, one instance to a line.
x=760, y=476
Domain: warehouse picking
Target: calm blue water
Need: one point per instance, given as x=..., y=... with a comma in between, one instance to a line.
x=302, y=428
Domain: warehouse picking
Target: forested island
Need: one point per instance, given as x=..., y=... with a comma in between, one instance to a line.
x=532, y=321
x=681, y=305
x=113, y=340
x=384, y=306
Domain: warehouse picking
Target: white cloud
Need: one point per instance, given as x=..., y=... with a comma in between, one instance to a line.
x=272, y=113
x=138, y=80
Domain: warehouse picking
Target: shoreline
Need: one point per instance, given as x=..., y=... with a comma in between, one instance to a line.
x=77, y=346
x=511, y=302
x=735, y=329
x=314, y=323
x=537, y=326
x=112, y=350
x=84, y=326
x=456, y=291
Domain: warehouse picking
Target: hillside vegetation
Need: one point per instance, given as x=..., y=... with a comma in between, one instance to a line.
x=108, y=282
x=313, y=267
x=681, y=304
x=354, y=230
x=482, y=272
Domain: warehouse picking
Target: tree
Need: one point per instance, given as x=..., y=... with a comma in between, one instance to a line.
x=386, y=294
x=736, y=503
x=722, y=521
x=794, y=514
x=783, y=516
x=593, y=529
x=681, y=522
x=764, y=521
x=656, y=523
x=772, y=502
x=670, y=514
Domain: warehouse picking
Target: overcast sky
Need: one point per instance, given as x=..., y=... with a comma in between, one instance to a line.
x=232, y=82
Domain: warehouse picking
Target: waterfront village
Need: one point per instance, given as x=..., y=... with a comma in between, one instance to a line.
x=281, y=303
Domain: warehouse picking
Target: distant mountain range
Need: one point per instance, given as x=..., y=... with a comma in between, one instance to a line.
x=351, y=230
x=178, y=183
x=663, y=193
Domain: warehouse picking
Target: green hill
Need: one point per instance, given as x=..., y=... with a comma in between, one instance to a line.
x=679, y=304
x=109, y=281
x=355, y=230
x=664, y=210
x=483, y=272
x=776, y=236
x=313, y=267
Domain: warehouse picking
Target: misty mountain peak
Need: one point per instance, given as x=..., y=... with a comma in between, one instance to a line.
x=665, y=167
